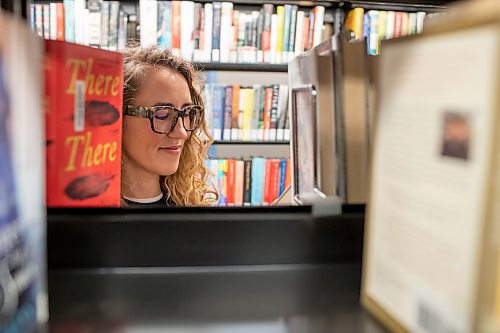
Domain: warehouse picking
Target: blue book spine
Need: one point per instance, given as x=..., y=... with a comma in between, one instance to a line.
x=258, y=170
x=217, y=8
x=69, y=20
x=228, y=108
x=165, y=24
x=218, y=111
x=286, y=28
x=32, y=17
x=282, y=176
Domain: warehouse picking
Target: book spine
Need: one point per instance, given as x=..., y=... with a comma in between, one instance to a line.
x=299, y=33
x=397, y=24
x=176, y=26
x=235, y=112
x=310, y=38
x=273, y=180
x=208, y=93
x=262, y=100
x=420, y=21
x=288, y=174
x=373, y=42
x=266, y=32
x=231, y=175
x=122, y=31
x=247, y=114
x=69, y=20
x=46, y=21
x=260, y=29
x=132, y=27
x=33, y=17
x=148, y=18
x=405, y=24
x=114, y=15
x=319, y=16
x=247, y=183
x=282, y=175
x=413, y=23
x=217, y=8
x=281, y=29
x=225, y=30
x=258, y=169
x=382, y=25
x=60, y=21
x=256, y=112
x=53, y=20
x=286, y=30
x=218, y=111
x=187, y=19
x=105, y=25
x=274, y=113
x=282, y=111
x=39, y=19
x=94, y=23
x=266, y=197
x=239, y=183
x=222, y=177
x=207, y=54
x=274, y=39
x=389, y=31
x=228, y=108
x=241, y=110
x=267, y=113
x=293, y=28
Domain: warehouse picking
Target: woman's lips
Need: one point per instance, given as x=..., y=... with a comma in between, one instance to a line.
x=171, y=149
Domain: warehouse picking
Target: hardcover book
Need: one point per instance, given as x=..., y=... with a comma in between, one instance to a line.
x=83, y=101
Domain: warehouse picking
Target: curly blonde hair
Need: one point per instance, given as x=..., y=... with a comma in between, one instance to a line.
x=188, y=186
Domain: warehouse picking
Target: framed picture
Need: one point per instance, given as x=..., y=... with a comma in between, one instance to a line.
x=306, y=178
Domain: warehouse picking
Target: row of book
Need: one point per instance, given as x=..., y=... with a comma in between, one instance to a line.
x=239, y=113
x=97, y=23
x=219, y=33
x=376, y=26
x=252, y=182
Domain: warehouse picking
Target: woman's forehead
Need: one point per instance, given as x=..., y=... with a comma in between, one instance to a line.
x=164, y=85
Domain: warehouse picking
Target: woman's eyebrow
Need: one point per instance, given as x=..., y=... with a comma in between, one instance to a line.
x=170, y=104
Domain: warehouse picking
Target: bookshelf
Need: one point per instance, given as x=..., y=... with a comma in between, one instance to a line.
x=241, y=67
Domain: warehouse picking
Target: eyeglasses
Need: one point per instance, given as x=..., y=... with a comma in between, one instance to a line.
x=163, y=118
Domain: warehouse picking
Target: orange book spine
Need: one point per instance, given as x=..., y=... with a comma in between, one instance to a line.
x=231, y=176
x=305, y=35
x=83, y=100
x=176, y=24
x=60, y=21
x=288, y=177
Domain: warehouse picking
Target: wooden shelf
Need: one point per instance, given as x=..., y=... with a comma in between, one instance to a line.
x=252, y=143
x=246, y=67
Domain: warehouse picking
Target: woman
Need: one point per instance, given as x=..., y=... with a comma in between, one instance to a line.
x=164, y=132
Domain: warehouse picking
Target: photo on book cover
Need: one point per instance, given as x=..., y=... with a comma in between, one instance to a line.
x=456, y=135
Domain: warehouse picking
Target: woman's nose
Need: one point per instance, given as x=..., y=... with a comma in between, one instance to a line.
x=178, y=132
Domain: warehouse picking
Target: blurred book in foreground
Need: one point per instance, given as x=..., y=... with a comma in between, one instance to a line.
x=433, y=232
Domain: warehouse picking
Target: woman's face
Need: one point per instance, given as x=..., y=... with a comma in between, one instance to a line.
x=154, y=153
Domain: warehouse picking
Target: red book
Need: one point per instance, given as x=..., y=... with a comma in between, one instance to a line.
x=305, y=35
x=266, y=199
x=60, y=21
x=83, y=106
x=268, y=100
x=176, y=24
x=274, y=179
x=398, y=18
x=231, y=188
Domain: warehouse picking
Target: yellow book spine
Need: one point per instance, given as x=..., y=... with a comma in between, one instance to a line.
x=247, y=113
x=281, y=28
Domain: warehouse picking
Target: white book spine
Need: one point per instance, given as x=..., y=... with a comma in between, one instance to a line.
x=286, y=134
x=391, y=17
x=94, y=28
x=53, y=20
x=280, y=134
x=208, y=32
x=187, y=19
x=227, y=134
x=318, y=24
x=299, y=31
x=225, y=30
x=79, y=21
x=234, y=134
x=272, y=134
x=260, y=134
x=420, y=21
x=85, y=29
x=149, y=21
x=274, y=37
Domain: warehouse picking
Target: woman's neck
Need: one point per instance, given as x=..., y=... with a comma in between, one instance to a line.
x=138, y=183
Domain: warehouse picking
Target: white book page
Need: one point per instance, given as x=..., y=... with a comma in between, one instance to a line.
x=431, y=158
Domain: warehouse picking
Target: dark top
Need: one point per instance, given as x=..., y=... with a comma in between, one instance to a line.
x=161, y=203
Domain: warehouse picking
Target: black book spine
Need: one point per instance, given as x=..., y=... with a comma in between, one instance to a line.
x=274, y=106
x=247, y=185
